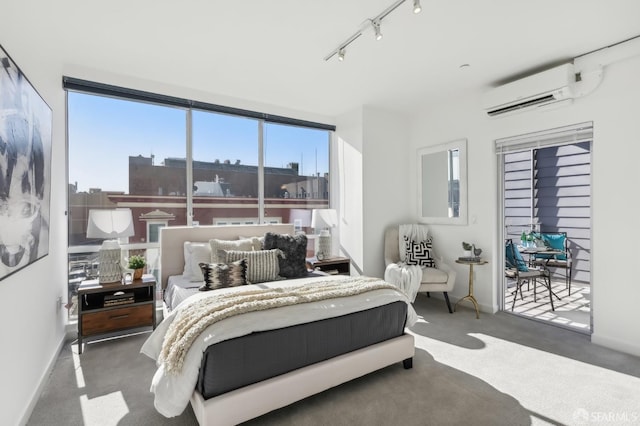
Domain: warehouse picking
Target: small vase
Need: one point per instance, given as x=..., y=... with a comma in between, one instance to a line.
x=467, y=253
x=137, y=273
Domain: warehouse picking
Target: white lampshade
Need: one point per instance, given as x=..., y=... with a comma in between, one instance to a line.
x=324, y=218
x=110, y=224
x=301, y=218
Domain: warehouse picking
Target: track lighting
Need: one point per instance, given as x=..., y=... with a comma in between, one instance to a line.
x=416, y=6
x=376, y=29
x=375, y=22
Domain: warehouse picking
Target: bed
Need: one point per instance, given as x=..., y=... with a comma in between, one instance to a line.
x=245, y=370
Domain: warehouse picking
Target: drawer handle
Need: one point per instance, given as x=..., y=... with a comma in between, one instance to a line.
x=119, y=316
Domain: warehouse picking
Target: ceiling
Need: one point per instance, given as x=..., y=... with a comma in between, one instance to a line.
x=273, y=51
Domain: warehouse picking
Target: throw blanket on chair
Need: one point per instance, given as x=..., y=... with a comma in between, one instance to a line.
x=407, y=277
x=192, y=320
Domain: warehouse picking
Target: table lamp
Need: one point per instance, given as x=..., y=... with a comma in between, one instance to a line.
x=325, y=219
x=111, y=225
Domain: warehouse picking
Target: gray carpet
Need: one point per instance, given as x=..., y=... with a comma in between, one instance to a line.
x=498, y=370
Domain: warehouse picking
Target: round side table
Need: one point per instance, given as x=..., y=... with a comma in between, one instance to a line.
x=470, y=296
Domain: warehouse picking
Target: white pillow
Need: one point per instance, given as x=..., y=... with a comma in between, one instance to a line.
x=247, y=244
x=194, y=254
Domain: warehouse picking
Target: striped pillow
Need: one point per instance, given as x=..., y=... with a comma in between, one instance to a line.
x=220, y=275
x=262, y=265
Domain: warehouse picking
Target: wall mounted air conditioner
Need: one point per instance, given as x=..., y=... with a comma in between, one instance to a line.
x=547, y=87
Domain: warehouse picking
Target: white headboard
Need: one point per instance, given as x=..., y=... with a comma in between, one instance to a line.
x=172, y=240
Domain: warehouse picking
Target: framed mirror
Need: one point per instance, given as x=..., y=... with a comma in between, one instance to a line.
x=442, y=183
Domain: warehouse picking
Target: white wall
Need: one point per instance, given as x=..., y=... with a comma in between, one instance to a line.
x=31, y=323
x=616, y=150
x=385, y=198
x=348, y=138
x=372, y=146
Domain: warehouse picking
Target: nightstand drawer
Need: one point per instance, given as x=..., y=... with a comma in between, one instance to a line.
x=117, y=319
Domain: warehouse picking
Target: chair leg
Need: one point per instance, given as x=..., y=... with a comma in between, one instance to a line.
x=519, y=285
x=548, y=280
x=428, y=295
x=446, y=297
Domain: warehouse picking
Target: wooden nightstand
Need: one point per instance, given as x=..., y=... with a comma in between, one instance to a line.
x=106, y=308
x=333, y=266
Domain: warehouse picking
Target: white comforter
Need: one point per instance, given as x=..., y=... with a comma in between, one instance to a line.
x=172, y=392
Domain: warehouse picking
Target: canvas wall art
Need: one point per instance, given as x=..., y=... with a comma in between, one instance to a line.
x=25, y=170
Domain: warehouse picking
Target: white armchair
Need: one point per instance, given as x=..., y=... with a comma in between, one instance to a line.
x=441, y=278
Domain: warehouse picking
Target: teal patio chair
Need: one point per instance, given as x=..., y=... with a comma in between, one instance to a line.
x=516, y=268
x=556, y=241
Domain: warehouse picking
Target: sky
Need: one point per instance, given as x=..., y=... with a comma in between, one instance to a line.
x=104, y=132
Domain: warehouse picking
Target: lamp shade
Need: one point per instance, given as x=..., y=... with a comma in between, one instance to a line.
x=324, y=218
x=110, y=224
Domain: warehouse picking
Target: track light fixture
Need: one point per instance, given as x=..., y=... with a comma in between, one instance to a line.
x=376, y=29
x=416, y=6
x=375, y=22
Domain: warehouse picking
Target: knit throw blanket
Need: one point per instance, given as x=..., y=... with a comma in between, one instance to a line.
x=194, y=318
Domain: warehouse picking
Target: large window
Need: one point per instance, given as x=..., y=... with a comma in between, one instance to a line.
x=174, y=164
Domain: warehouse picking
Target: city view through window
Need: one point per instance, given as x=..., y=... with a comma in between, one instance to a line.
x=126, y=154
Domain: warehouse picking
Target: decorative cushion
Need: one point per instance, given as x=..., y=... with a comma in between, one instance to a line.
x=258, y=242
x=220, y=275
x=194, y=255
x=294, y=249
x=556, y=242
x=262, y=265
x=420, y=253
x=245, y=244
x=514, y=258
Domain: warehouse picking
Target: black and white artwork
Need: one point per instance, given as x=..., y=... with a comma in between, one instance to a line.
x=25, y=170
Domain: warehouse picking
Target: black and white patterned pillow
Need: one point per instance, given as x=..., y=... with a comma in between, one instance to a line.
x=420, y=253
x=220, y=275
x=293, y=264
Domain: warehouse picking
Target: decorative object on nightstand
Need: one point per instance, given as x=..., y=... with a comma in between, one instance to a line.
x=324, y=219
x=471, y=253
x=110, y=224
x=137, y=263
x=333, y=266
x=467, y=249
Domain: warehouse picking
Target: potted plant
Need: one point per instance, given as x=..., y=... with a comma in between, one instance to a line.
x=467, y=249
x=137, y=263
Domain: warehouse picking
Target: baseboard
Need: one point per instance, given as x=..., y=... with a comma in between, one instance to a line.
x=615, y=344
x=42, y=382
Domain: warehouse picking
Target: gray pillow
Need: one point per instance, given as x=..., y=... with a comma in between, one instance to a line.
x=246, y=244
x=293, y=263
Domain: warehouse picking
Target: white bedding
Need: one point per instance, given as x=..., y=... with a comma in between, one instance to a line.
x=172, y=392
x=178, y=289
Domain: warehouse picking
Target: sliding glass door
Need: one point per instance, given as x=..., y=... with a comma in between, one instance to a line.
x=546, y=189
